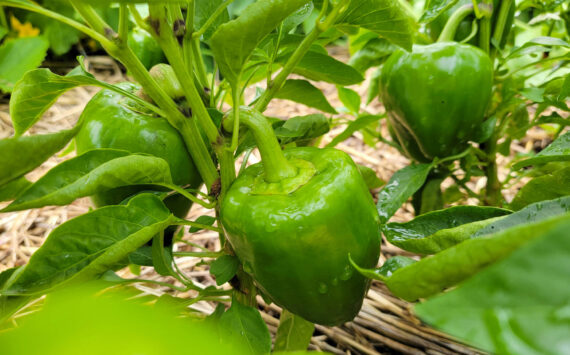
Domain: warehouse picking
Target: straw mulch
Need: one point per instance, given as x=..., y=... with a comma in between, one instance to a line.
x=385, y=325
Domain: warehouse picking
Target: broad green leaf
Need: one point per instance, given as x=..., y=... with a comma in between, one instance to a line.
x=535, y=212
x=370, y=178
x=90, y=173
x=516, y=306
x=203, y=10
x=322, y=67
x=303, y=92
x=386, y=270
x=247, y=323
x=385, y=17
x=13, y=189
x=539, y=44
x=372, y=54
x=542, y=188
x=294, y=333
x=18, y=56
x=433, y=274
x=302, y=129
x=565, y=90
x=360, y=123
x=435, y=231
x=233, y=42
x=87, y=246
x=224, y=268
x=40, y=88
x=297, y=17
x=403, y=184
x=434, y=8
x=20, y=155
x=350, y=99
x=559, y=150
x=207, y=220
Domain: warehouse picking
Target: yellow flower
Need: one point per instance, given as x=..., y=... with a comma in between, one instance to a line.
x=24, y=30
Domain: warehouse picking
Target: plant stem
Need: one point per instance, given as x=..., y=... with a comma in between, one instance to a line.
x=199, y=61
x=123, y=22
x=276, y=167
x=3, y=20
x=138, y=18
x=299, y=53
x=171, y=48
x=227, y=167
x=501, y=21
x=485, y=30
x=448, y=32
x=93, y=19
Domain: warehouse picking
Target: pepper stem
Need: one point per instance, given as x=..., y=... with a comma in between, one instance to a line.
x=448, y=33
x=276, y=166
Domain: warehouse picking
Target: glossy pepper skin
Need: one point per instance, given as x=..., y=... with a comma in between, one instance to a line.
x=145, y=47
x=436, y=97
x=111, y=120
x=294, y=237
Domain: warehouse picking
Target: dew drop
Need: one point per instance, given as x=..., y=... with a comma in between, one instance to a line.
x=323, y=288
x=346, y=273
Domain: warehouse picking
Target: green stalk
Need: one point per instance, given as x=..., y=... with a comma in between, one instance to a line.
x=93, y=19
x=448, y=32
x=187, y=41
x=276, y=167
x=227, y=167
x=3, y=20
x=123, y=22
x=501, y=21
x=138, y=18
x=171, y=48
x=299, y=53
x=199, y=61
x=485, y=29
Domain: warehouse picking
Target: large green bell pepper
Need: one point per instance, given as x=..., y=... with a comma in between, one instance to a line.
x=111, y=120
x=293, y=231
x=436, y=97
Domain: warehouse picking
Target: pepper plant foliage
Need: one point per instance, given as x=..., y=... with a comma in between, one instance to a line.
x=297, y=227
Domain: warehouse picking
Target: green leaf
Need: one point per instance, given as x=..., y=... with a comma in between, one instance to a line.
x=233, y=42
x=358, y=124
x=224, y=268
x=542, y=188
x=434, y=8
x=539, y=44
x=433, y=274
x=516, y=306
x=565, y=90
x=435, y=231
x=322, y=67
x=207, y=220
x=297, y=17
x=350, y=99
x=18, y=56
x=203, y=10
x=20, y=155
x=90, y=173
x=3, y=32
x=559, y=150
x=246, y=322
x=161, y=257
x=386, y=270
x=372, y=54
x=370, y=178
x=13, y=189
x=302, y=128
x=403, y=184
x=39, y=89
x=303, y=92
x=294, y=333
x=385, y=17
x=87, y=246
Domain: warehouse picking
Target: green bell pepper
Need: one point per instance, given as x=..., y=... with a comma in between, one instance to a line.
x=436, y=97
x=294, y=219
x=111, y=120
x=145, y=47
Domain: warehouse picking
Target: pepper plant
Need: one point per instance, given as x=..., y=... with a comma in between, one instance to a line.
x=286, y=225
